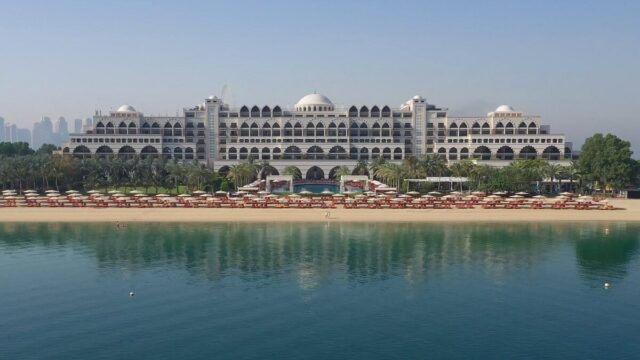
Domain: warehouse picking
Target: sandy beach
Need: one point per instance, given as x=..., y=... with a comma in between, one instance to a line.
x=628, y=210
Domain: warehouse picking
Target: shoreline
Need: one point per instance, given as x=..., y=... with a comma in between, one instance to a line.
x=627, y=211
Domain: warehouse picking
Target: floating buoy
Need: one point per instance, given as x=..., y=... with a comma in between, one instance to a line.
x=606, y=285
x=131, y=293
x=606, y=231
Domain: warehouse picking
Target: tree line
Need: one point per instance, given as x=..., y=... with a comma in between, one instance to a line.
x=605, y=164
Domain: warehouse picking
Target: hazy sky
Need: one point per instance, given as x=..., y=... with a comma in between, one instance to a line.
x=576, y=63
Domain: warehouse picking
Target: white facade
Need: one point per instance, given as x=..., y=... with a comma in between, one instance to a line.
x=315, y=134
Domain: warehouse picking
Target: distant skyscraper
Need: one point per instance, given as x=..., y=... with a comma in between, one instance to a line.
x=42, y=133
x=88, y=122
x=61, y=131
x=77, y=126
x=11, y=132
x=23, y=135
x=2, y=132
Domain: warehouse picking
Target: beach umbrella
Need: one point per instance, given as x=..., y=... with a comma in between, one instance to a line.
x=184, y=195
x=539, y=197
x=478, y=193
x=162, y=195
x=359, y=196
x=434, y=193
x=262, y=192
x=140, y=195
x=51, y=191
x=294, y=195
x=327, y=192
x=305, y=192
x=516, y=197
x=566, y=193
x=113, y=191
x=135, y=192
x=501, y=193
x=522, y=193
x=404, y=196
x=74, y=194
x=338, y=195
x=29, y=191
x=413, y=193
x=53, y=195
x=241, y=192
x=198, y=192
x=455, y=193
x=427, y=196
x=71, y=191
x=494, y=196
x=220, y=192
x=93, y=192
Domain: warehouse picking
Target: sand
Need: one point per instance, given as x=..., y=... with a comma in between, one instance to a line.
x=629, y=210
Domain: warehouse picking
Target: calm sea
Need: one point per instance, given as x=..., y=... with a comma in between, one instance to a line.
x=319, y=291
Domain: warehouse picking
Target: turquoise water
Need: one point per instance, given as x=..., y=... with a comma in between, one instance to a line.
x=334, y=291
x=316, y=188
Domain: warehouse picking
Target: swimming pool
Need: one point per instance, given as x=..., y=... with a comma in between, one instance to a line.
x=316, y=188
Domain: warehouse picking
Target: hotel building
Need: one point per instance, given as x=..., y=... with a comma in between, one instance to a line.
x=317, y=136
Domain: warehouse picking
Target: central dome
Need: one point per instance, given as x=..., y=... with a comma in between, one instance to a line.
x=504, y=108
x=126, y=109
x=314, y=102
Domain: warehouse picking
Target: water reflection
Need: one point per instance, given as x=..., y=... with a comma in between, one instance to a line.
x=364, y=252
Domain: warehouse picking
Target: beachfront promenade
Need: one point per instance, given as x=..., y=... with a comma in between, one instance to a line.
x=95, y=207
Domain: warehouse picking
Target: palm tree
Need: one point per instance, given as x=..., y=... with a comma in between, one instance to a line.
x=390, y=173
x=342, y=171
x=553, y=171
x=375, y=164
x=293, y=171
x=462, y=168
x=413, y=167
x=361, y=168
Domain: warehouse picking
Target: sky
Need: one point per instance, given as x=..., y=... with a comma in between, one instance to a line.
x=575, y=63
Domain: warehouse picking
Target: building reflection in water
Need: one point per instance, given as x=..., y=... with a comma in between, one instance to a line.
x=316, y=252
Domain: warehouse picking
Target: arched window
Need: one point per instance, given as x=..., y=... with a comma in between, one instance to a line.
x=255, y=112
x=353, y=112
x=310, y=130
x=244, y=129
x=386, y=130
x=315, y=152
x=126, y=152
x=292, y=152
x=386, y=112
x=81, y=152
x=353, y=153
x=177, y=129
x=155, y=128
x=442, y=152
x=297, y=129
x=100, y=128
x=277, y=154
x=364, y=153
x=533, y=129
x=244, y=111
x=364, y=130
x=508, y=129
x=277, y=112
x=149, y=151
x=266, y=130
x=244, y=153
x=188, y=153
x=453, y=130
x=505, y=153
x=177, y=153
x=551, y=153
x=319, y=129
x=375, y=129
x=375, y=153
x=255, y=153
x=266, y=153
x=500, y=128
x=528, y=153
x=397, y=154
x=331, y=131
x=462, y=130
x=109, y=128
x=168, y=129
x=104, y=152
x=464, y=153
x=375, y=112
x=266, y=112
x=342, y=129
x=364, y=112
x=475, y=129
x=386, y=153
x=288, y=129
x=337, y=152
x=522, y=128
x=122, y=128
x=482, y=153
x=232, y=154
x=486, y=129
x=253, y=131
x=146, y=129
x=132, y=130
x=275, y=130
x=353, y=129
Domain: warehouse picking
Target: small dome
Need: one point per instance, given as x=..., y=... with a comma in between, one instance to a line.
x=212, y=97
x=314, y=99
x=504, y=108
x=418, y=97
x=126, y=109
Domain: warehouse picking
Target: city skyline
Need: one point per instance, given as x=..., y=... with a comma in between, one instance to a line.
x=546, y=58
